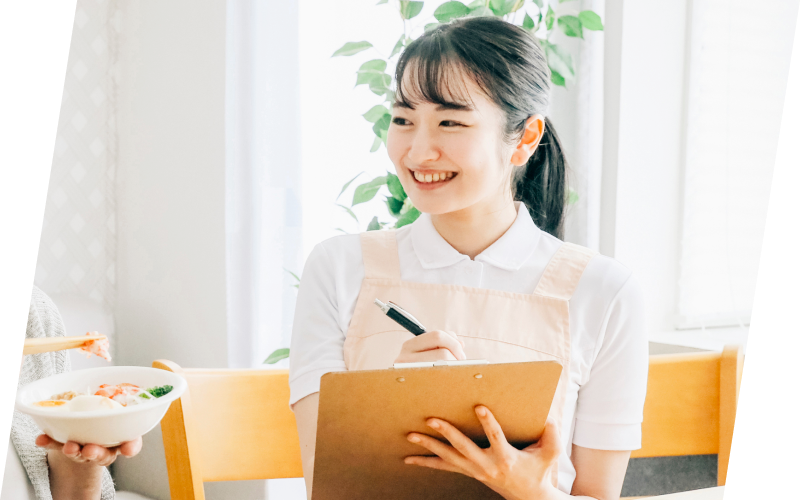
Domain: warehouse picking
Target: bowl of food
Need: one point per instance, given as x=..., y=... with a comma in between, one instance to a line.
x=104, y=406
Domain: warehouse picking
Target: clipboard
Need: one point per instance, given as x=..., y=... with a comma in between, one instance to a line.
x=365, y=416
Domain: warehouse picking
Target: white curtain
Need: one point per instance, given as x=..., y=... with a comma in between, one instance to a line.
x=263, y=213
x=738, y=67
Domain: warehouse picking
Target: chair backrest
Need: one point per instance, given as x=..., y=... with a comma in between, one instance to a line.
x=229, y=425
x=691, y=405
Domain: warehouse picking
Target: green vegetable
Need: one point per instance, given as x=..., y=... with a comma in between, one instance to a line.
x=156, y=392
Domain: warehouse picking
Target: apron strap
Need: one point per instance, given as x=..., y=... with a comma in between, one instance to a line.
x=564, y=271
x=379, y=251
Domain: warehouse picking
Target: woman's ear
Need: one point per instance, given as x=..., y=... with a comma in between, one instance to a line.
x=534, y=129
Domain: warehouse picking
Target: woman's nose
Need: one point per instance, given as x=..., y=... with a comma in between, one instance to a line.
x=423, y=148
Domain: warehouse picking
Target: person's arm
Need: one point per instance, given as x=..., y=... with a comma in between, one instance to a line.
x=601, y=472
x=76, y=472
x=305, y=413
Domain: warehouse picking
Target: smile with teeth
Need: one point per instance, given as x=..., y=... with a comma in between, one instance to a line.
x=433, y=177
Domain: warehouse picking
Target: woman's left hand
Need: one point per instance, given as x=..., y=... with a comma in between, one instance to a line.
x=90, y=453
x=514, y=474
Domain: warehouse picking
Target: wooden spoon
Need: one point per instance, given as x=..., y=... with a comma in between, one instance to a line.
x=49, y=344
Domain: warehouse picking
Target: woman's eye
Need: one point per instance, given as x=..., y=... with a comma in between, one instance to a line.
x=399, y=121
x=451, y=123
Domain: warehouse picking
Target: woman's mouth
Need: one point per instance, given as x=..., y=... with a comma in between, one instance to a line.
x=432, y=179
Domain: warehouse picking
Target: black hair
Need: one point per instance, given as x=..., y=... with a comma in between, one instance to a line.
x=509, y=66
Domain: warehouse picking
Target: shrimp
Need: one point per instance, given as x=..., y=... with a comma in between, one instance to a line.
x=97, y=347
x=121, y=393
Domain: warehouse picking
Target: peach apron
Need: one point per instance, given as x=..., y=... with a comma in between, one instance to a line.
x=495, y=325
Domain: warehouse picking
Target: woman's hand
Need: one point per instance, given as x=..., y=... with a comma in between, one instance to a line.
x=90, y=454
x=437, y=345
x=76, y=472
x=514, y=474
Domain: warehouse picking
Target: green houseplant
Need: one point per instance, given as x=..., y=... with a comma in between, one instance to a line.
x=540, y=17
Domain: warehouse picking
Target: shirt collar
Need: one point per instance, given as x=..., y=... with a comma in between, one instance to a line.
x=509, y=252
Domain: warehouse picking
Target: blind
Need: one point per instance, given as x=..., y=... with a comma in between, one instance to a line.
x=739, y=59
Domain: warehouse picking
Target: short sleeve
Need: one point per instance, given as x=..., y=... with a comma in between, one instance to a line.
x=610, y=404
x=317, y=338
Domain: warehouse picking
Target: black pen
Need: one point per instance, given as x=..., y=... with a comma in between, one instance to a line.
x=401, y=317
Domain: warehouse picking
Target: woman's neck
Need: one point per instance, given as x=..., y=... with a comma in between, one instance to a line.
x=472, y=230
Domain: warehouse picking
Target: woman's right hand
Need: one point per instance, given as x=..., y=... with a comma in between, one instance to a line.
x=437, y=345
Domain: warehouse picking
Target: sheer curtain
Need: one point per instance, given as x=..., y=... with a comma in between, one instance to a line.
x=738, y=65
x=263, y=213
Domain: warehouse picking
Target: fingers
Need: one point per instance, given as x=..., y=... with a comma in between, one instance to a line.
x=89, y=453
x=460, y=442
x=435, y=463
x=433, y=341
x=131, y=448
x=447, y=453
x=45, y=441
x=497, y=439
x=425, y=356
x=549, y=445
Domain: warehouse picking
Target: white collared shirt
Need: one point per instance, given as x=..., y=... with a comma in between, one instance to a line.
x=609, y=357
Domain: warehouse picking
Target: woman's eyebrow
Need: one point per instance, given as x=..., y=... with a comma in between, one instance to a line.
x=454, y=106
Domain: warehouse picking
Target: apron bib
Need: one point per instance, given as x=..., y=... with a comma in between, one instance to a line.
x=499, y=326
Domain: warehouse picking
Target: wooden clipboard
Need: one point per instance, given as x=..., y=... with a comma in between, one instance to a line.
x=364, y=417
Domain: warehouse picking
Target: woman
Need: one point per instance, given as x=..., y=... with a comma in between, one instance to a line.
x=57, y=471
x=484, y=265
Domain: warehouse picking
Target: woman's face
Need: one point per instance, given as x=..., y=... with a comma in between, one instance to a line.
x=450, y=158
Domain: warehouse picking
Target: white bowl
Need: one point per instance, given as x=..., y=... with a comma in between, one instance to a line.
x=103, y=427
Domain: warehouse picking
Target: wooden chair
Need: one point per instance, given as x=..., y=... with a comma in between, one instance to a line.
x=229, y=425
x=236, y=424
x=691, y=405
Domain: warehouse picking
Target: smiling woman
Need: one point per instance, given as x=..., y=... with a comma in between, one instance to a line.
x=483, y=263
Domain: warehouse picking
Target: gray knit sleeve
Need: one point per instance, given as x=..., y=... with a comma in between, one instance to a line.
x=43, y=321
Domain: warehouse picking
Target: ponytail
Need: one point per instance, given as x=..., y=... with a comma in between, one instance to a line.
x=542, y=183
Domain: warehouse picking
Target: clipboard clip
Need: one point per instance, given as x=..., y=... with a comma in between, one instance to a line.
x=428, y=364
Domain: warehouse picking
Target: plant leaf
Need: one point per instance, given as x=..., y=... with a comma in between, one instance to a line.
x=430, y=26
x=572, y=196
x=528, y=23
x=296, y=277
x=549, y=18
x=410, y=9
x=380, y=83
x=375, y=113
x=368, y=190
x=277, y=355
x=538, y=3
x=381, y=2
x=481, y=11
x=559, y=60
x=449, y=11
x=571, y=26
x=351, y=48
x=398, y=47
x=395, y=187
x=590, y=20
x=374, y=225
x=348, y=185
x=376, y=144
x=368, y=76
x=408, y=217
x=382, y=124
x=557, y=79
x=374, y=64
x=347, y=209
x=501, y=7
x=394, y=205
